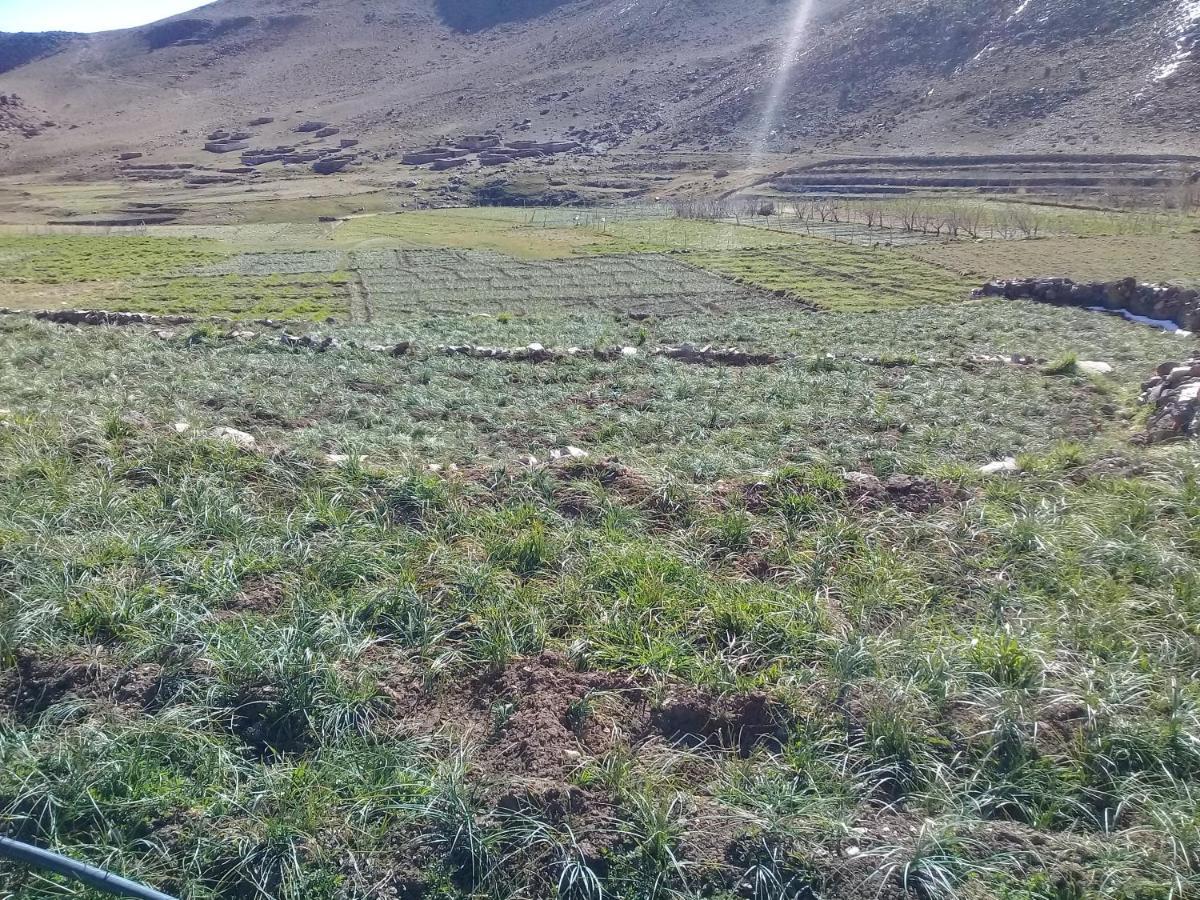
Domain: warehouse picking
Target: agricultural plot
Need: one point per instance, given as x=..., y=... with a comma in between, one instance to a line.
x=1174, y=258
x=840, y=277
x=242, y=298
x=54, y=259
x=504, y=231
x=402, y=284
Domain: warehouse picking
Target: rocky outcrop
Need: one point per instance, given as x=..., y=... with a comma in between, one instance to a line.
x=1163, y=302
x=1174, y=395
x=308, y=127
x=226, y=146
x=489, y=150
x=332, y=164
x=289, y=156
x=432, y=155
x=477, y=142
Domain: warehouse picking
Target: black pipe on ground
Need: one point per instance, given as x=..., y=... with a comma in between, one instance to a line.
x=77, y=871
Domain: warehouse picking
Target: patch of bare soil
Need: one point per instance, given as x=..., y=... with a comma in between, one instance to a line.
x=36, y=683
x=258, y=595
x=741, y=721
x=536, y=718
x=539, y=717
x=909, y=493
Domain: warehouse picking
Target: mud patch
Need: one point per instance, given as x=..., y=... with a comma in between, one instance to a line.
x=536, y=719
x=739, y=722
x=260, y=596
x=909, y=493
x=34, y=684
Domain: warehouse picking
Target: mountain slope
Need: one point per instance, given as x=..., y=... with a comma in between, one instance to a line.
x=903, y=75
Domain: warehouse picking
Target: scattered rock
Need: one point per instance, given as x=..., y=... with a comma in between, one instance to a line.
x=569, y=453
x=1008, y=466
x=309, y=342
x=1174, y=393
x=182, y=427
x=308, y=127
x=232, y=435
x=1094, y=368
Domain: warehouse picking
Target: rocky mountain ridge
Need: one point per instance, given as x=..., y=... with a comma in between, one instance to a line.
x=402, y=76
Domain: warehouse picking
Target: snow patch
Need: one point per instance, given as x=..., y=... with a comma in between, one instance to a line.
x=1185, y=28
x=1020, y=11
x=1162, y=324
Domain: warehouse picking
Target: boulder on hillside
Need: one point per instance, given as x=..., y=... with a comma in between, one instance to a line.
x=332, y=164
x=228, y=146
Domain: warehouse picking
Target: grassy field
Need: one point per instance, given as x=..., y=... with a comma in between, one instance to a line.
x=1174, y=258
x=776, y=637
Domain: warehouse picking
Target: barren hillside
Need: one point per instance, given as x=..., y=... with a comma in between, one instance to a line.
x=393, y=76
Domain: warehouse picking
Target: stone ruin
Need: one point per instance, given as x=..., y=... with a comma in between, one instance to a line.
x=1163, y=302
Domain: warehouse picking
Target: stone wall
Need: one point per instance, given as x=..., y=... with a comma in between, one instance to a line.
x=1155, y=301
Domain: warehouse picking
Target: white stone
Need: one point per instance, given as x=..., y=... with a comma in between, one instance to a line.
x=530, y=461
x=1008, y=466
x=535, y=347
x=337, y=459
x=1095, y=368
x=181, y=427
x=233, y=436
x=1189, y=392
x=629, y=352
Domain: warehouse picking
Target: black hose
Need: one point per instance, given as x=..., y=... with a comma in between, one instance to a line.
x=81, y=872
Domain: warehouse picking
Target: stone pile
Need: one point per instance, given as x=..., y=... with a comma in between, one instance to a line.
x=1174, y=394
x=1163, y=302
